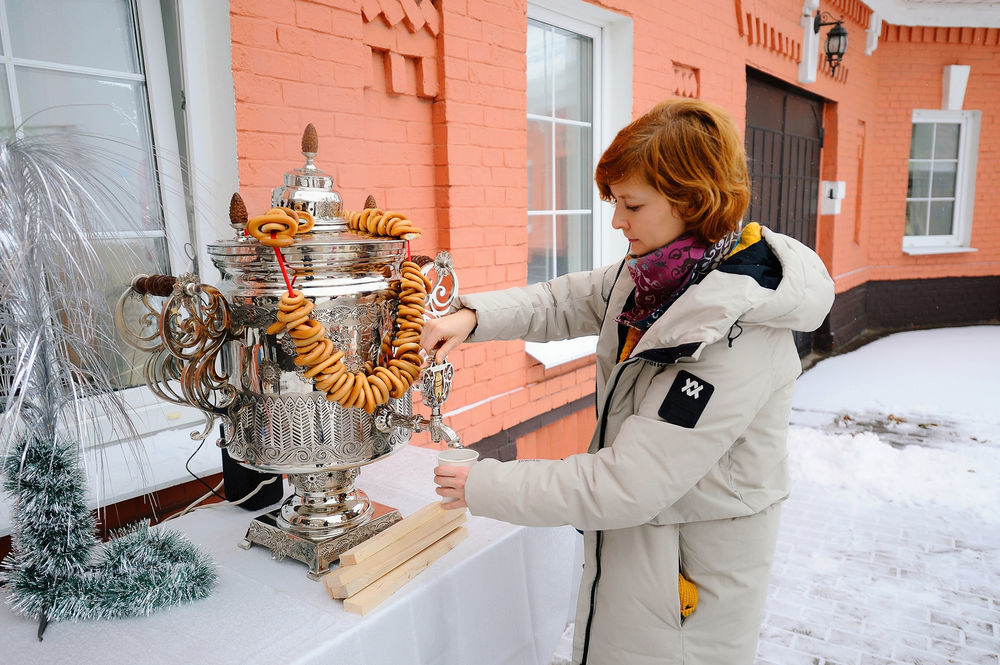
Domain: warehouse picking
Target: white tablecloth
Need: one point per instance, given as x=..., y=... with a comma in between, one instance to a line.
x=502, y=596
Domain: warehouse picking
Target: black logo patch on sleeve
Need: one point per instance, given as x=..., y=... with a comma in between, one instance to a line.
x=686, y=400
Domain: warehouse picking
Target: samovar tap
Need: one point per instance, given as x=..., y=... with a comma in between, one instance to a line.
x=434, y=386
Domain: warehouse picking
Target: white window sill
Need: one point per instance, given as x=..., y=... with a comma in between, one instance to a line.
x=114, y=474
x=923, y=251
x=551, y=354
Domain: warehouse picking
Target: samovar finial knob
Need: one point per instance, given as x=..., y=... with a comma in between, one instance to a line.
x=310, y=145
x=238, y=212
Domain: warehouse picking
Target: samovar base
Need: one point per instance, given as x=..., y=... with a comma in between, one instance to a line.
x=318, y=555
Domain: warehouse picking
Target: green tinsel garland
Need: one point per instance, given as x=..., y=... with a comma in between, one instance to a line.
x=59, y=570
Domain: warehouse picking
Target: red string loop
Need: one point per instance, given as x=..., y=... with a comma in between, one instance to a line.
x=281, y=264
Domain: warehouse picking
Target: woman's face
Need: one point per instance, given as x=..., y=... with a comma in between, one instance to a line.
x=648, y=220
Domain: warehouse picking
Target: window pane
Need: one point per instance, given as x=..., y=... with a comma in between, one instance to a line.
x=922, y=140
x=103, y=108
x=574, y=243
x=6, y=115
x=540, y=265
x=942, y=214
x=920, y=180
x=946, y=141
x=944, y=179
x=539, y=69
x=916, y=218
x=95, y=33
x=560, y=67
x=572, y=65
x=539, y=165
x=574, y=168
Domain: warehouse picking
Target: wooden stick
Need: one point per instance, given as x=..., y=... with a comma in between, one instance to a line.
x=366, y=599
x=348, y=580
x=380, y=541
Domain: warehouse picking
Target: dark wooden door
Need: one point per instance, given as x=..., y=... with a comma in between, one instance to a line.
x=783, y=140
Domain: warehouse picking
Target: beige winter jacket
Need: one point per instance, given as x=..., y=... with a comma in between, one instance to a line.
x=691, y=426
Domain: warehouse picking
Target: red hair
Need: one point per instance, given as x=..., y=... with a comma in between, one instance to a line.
x=691, y=152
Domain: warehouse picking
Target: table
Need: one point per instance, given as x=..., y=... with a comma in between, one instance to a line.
x=501, y=597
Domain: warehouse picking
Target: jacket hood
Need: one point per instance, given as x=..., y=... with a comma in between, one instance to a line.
x=769, y=279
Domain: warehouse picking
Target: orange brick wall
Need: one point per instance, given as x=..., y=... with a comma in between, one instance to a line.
x=568, y=436
x=297, y=62
x=911, y=63
x=423, y=105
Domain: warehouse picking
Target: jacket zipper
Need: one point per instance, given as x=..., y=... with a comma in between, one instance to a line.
x=600, y=534
x=600, y=444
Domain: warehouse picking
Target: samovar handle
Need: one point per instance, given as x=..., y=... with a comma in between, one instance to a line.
x=444, y=282
x=190, y=330
x=435, y=381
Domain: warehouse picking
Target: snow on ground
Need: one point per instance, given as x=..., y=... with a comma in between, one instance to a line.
x=912, y=418
x=889, y=549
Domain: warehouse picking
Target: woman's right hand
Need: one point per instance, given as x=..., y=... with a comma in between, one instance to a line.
x=441, y=336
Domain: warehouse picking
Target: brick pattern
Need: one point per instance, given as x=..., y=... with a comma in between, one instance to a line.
x=857, y=583
x=909, y=77
x=847, y=319
x=555, y=434
x=855, y=10
x=918, y=34
x=909, y=304
x=685, y=81
x=777, y=38
x=569, y=436
x=297, y=62
x=404, y=35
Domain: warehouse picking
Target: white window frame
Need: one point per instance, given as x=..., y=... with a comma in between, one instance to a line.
x=612, y=99
x=210, y=115
x=965, y=184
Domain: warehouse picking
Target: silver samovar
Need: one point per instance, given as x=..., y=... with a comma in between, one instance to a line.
x=209, y=349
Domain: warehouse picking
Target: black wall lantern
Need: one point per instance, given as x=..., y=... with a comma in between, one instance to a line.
x=836, y=39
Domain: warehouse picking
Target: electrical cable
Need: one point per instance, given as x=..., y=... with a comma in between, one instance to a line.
x=199, y=478
x=194, y=506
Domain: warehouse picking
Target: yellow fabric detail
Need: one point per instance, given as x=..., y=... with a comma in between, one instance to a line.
x=631, y=339
x=688, y=593
x=750, y=235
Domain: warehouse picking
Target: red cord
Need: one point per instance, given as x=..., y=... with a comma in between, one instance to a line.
x=281, y=264
x=407, y=250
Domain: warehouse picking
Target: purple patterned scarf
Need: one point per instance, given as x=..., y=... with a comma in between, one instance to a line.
x=664, y=274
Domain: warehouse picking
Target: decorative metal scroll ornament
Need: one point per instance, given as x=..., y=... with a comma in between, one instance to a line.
x=444, y=281
x=160, y=368
x=190, y=330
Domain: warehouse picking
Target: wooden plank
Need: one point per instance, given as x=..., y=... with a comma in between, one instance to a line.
x=366, y=599
x=348, y=580
x=363, y=550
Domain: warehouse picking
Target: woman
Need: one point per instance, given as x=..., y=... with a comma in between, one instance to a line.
x=695, y=371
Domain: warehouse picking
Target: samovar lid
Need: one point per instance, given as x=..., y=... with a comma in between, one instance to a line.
x=309, y=188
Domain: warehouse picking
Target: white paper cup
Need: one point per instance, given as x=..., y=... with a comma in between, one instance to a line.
x=463, y=457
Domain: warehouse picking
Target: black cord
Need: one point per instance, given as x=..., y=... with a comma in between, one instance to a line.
x=198, y=478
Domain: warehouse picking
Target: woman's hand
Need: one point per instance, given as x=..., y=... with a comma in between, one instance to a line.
x=451, y=484
x=441, y=336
